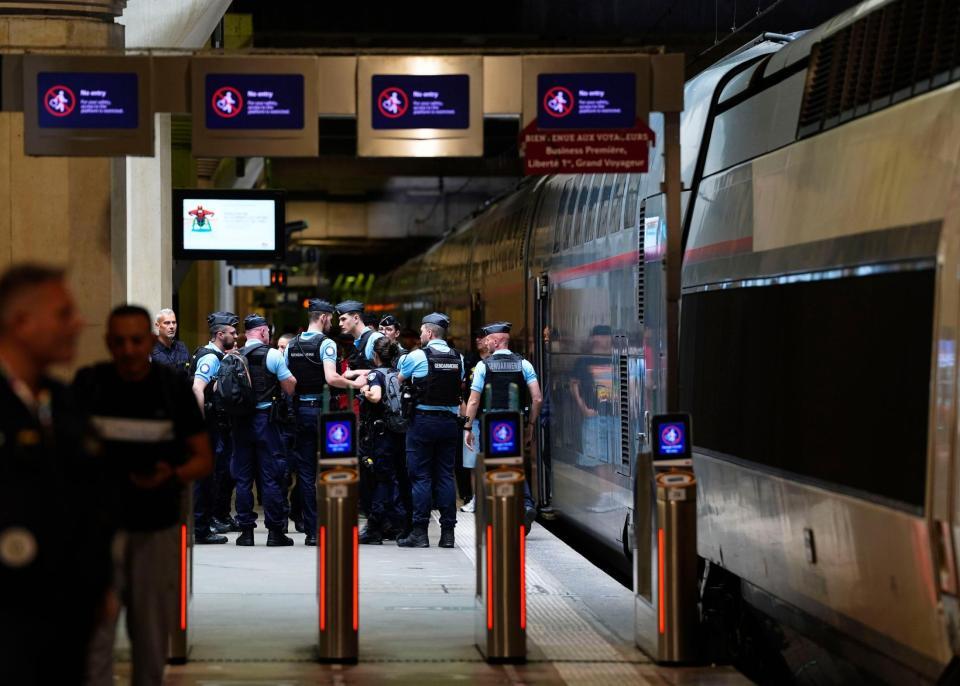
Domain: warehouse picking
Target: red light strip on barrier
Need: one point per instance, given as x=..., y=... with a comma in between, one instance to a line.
x=661, y=581
x=356, y=578
x=323, y=578
x=523, y=578
x=490, y=577
x=183, y=577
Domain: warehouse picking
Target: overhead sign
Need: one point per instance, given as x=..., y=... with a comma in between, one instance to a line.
x=586, y=114
x=254, y=101
x=420, y=102
x=255, y=106
x=420, y=106
x=97, y=106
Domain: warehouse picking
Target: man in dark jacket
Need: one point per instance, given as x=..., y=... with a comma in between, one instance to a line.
x=54, y=538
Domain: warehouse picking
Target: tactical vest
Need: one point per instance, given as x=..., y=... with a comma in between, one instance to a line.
x=303, y=359
x=441, y=385
x=503, y=370
x=265, y=385
x=198, y=355
x=358, y=358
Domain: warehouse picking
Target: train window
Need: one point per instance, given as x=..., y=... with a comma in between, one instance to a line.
x=583, y=208
x=588, y=231
x=810, y=387
x=573, y=210
x=633, y=191
x=616, y=203
x=604, y=219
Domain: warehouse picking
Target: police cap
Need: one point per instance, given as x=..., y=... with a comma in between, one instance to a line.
x=253, y=321
x=496, y=327
x=389, y=320
x=437, y=318
x=350, y=306
x=222, y=319
x=318, y=305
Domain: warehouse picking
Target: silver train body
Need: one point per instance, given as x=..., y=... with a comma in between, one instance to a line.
x=820, y=319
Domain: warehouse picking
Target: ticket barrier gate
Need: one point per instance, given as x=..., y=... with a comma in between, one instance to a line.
x=665, y=534
x=179, y=646
x=501, y=620
x=338, y=551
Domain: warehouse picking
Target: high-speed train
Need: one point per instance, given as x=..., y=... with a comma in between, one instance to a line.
x=819, y=325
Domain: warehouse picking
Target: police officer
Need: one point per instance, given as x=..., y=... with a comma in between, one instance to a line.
x=54, y=535
x=312, y=358
x=500, y=369
x=435, y=370
x=390, y=327
x=258, y=441
x=352, y=324
x=209, y=491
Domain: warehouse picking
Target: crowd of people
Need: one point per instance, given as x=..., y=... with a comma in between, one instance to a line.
x=114, y=451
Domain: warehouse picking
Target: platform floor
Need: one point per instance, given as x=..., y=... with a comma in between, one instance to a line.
x=254, y=620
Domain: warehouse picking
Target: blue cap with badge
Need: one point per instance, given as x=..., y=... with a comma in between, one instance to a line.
x=496, y=327
x=319, y=305
x=438, y=319
x=348, y=306
x=222, y=319
x=254, y=321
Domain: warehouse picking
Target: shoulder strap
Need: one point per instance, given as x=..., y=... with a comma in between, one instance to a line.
x=320, y=338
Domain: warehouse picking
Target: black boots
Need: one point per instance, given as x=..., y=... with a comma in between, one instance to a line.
x=311, y=539
x=529, y=517
x=371, y=535
x=276, y=538
x=446, y=537
x=208, y=537
x=416, y=539
x=245, y=537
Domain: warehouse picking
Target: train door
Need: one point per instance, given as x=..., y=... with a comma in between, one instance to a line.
x=541, y=354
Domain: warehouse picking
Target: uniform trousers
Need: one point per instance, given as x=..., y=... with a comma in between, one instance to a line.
x=386, y=505
x=431, y=454
x=207, y=500
x=258, y=448
x=305, y=464
x=145, y=579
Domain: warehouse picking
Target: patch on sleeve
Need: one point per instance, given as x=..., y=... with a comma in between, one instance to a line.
x=205, y=368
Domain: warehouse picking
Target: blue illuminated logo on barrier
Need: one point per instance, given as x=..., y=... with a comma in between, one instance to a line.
x=338, y=438
x=254, y=101
x=672, y=439
x=503, y=438
x=587, y=101
x=404, y=101
x=87, y=100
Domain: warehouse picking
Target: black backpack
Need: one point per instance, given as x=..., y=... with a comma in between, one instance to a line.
x=233, y=393
x=392, y=402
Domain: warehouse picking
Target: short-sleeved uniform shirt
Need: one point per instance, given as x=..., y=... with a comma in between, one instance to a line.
x=276, y=365
x=414, y=365
x=480, y=373
x=140, y=423
x=328, y=351
x=209, y=365
x=368, y=349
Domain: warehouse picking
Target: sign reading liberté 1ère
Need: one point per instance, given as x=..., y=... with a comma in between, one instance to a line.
x=586, y=114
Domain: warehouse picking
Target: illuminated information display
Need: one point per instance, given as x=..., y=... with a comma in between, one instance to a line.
x=87, y=100
x=254, y=101
x=587, y=101
x=404, y=101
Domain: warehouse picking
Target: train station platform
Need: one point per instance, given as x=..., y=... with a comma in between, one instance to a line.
x=254, y=619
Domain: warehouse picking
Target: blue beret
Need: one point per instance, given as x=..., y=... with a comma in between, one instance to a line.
x=253, y=321
x=350, y=306
x=437, y=318
x=222, y=319
x=496, y=327
x=318, y=305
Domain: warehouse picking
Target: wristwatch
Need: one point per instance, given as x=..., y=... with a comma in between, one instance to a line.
x=465, y=422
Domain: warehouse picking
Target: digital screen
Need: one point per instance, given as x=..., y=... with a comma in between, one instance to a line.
x=338, y=437
x=254, y=101
x=403, y=101
x=228, y=225
x=87, y=100
x=671, y=436
x=503, y=435
x=587, y=101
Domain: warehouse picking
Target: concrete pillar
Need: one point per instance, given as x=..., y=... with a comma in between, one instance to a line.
x=146, y=184
x=58, y=209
